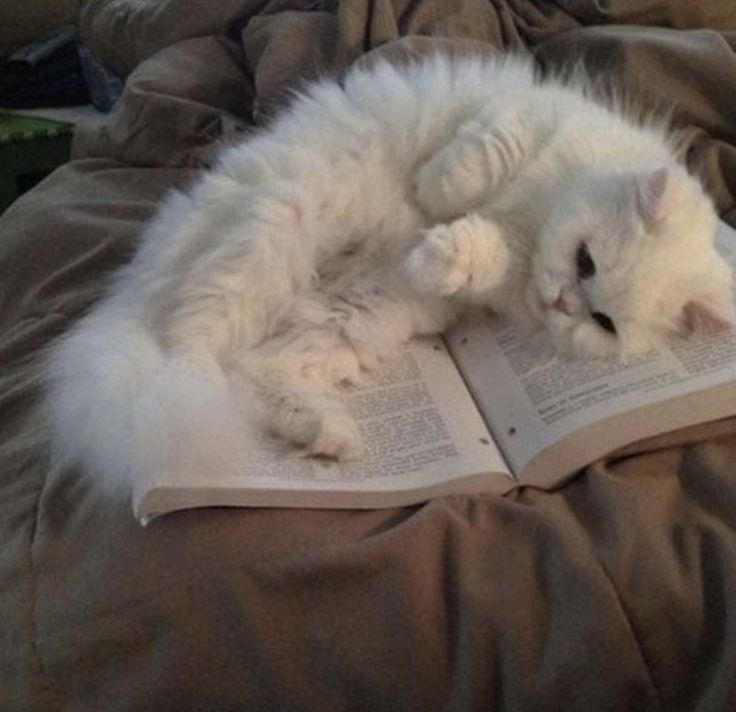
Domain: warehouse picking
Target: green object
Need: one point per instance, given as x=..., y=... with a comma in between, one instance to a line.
x=30, y=148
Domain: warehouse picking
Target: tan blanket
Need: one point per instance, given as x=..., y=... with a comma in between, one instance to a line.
x=615, y=592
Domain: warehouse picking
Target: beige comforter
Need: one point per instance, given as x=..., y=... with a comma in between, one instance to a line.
x=615, y=592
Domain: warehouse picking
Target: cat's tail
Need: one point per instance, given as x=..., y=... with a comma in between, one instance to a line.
x=123, y=409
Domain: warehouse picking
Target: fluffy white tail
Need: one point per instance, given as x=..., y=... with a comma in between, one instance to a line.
x=123, y=409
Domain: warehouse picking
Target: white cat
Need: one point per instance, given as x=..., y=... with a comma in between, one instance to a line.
x=372, y=210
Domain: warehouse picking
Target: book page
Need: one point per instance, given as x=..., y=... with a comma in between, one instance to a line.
x=534, y=400
x=421, y=429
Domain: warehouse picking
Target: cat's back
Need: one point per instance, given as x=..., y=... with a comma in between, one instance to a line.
x=437, y=82
x=420, y=102
x=406, y=104
x=380, y=119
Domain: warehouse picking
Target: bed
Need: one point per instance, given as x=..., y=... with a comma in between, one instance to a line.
x=616, y=591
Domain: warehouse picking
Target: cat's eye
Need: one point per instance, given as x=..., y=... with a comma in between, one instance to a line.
x=604, y=321
x=584, y=262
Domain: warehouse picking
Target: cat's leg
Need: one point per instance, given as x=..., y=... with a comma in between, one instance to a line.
x=297, y=374
x=307, y=413
x=229, y=295
x=337, y=339
x=466, y=258
x=485, y=152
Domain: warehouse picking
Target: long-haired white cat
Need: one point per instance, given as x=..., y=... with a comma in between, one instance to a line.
x=373, y=210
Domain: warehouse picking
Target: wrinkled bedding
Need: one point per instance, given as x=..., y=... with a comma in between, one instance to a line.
x=616, y=591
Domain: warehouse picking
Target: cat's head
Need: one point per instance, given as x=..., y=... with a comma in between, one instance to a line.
x=626, y=261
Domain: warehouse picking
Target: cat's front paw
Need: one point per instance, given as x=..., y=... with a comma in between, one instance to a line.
x=466, y=256
x=432, y=191
x=452, y=182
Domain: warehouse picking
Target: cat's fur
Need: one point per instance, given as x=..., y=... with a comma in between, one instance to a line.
x=372, y=210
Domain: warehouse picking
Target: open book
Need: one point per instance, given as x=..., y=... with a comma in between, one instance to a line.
x=480, y=410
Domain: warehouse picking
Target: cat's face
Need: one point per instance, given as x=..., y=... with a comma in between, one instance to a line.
x=626, y=262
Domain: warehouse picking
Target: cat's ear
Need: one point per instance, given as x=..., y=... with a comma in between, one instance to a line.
x=650, y=195
x=707, y=313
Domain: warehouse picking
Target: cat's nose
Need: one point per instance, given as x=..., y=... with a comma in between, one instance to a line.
x=562, y=304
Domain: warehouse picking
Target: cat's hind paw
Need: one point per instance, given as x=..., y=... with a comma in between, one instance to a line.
x=322, y=428
x=467, y=256
x=338, y=437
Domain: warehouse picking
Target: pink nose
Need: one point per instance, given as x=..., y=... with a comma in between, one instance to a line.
x=561, y=305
